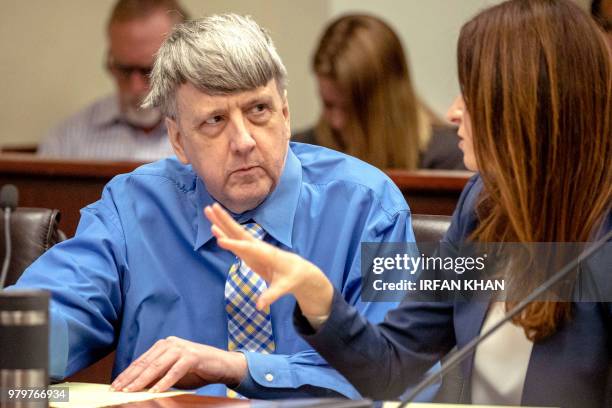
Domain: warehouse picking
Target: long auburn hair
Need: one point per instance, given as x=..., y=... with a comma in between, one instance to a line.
x=387, y=124
x=537, y=82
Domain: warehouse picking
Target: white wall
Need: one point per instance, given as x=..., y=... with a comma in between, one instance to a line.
x=429, y=31
x=51, y=56
x=51, y=52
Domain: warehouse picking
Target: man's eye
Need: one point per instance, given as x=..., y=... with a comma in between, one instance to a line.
x=214, y=120
x=259, y=108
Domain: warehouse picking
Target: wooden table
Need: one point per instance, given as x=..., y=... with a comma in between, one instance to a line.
x=188, y=400
x=192, y=401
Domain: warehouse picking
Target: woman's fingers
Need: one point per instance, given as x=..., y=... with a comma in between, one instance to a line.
x=217, y=232
x=254, y=253
x=219, y=217
x=271, y=295
x=242, y=249
x=285, y=272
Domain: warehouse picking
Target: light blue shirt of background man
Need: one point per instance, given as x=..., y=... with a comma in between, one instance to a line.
x=144, y=273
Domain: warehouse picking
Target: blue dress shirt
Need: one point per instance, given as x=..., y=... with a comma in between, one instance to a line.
x=144, y=266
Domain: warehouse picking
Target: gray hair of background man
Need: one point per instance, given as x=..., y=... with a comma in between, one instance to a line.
x=219, y=54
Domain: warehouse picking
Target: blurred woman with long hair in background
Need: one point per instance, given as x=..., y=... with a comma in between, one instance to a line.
x=370, y=108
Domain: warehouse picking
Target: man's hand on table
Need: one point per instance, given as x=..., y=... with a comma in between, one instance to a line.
x=181, y=363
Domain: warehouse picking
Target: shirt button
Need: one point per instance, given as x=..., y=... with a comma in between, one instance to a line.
x=269, y=377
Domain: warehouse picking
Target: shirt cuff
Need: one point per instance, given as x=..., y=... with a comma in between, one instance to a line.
x=269, y=377
x=267, y=370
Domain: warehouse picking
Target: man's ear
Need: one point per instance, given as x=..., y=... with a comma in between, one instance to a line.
x=286, y=113
x=176, y=139
x=285, y=105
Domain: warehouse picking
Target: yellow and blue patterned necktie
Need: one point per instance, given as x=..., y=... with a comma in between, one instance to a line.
x=249, y=329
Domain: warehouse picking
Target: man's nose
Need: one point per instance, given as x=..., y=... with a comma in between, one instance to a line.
x=241, y=140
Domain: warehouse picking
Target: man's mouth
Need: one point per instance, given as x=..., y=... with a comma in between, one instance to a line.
x=245, y=170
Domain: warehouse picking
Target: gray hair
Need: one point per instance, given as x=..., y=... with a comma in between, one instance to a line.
x=219, y=54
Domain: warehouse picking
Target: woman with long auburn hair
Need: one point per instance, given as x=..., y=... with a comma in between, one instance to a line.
x=370, y=108
x=535, y=121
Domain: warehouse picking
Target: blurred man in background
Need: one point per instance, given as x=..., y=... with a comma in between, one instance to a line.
x=116, y=127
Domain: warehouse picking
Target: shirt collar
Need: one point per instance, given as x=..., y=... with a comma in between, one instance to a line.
x=275, y=214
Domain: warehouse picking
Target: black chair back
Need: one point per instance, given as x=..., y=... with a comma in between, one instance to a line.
x=33, y=231
x=429, y=228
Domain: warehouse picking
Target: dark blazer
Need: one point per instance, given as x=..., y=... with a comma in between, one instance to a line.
x=568, y=369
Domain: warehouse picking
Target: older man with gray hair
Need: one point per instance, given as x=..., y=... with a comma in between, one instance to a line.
x=144, y=273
